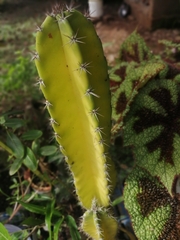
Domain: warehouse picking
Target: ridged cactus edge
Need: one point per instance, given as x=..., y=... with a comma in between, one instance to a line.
x=73, y=77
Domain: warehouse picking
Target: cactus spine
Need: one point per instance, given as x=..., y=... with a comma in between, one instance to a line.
x=74, y=80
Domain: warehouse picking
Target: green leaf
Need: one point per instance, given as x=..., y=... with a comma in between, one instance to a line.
x=15, y=145
x=133, y=78
x=48, y=216
x=73, y=228
x=4, y=235
x=152, y=127
x=42, y=197
x=31, y=135
x=58, y=156
x=14, y=123
x=35, y=146
x=2, y=120
x=32, y=222
x=135, y=49
x=38, y=209
x=15, y=166
x=137, y=65
x=48, y=150
x=154, y=213
x=57, y=227
x=117, y=201
x=30, y=160
x=12, y=113
x=23, y=234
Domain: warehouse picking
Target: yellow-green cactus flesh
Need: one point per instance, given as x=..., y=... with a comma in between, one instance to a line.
x=74, y=80
x=99, y=225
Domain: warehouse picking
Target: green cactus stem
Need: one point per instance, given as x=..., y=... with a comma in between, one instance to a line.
x=74, y=80
x=99, y=225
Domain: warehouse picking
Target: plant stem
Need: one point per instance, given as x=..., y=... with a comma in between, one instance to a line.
x=6, y=148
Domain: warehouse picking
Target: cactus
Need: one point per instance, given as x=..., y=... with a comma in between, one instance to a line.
x=74, y=79
x=99, y=224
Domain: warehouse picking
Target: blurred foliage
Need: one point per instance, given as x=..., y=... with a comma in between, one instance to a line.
x=39, y=181
x=171, y=51
x=17, y=71
x=18, y=74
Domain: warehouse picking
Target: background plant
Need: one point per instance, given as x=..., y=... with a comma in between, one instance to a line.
x=33, y=182
x=17, y=72
x=146, y=102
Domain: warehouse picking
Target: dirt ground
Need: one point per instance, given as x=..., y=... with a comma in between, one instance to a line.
x=112, y=29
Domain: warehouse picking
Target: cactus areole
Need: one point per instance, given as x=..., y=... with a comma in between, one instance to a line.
x=74, y=79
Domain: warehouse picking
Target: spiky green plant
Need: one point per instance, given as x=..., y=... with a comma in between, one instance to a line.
x=74, y=79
